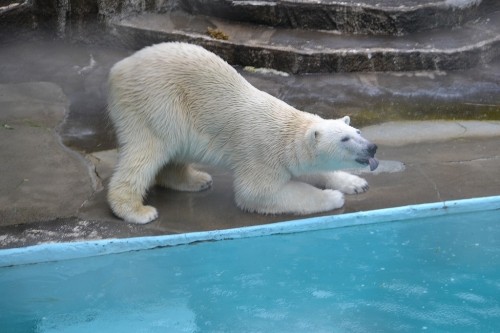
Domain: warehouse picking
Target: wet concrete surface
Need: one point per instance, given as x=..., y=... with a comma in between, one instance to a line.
x=79, y=69
x=35, y=184
x=417, y=165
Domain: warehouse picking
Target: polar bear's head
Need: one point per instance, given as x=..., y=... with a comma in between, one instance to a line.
x=337, y=145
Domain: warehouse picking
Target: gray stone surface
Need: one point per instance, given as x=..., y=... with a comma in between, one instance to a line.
x=310, y=51
x=41, y=179
x=390, y=17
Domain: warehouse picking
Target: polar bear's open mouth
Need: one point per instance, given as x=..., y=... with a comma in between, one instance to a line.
x=373, y=162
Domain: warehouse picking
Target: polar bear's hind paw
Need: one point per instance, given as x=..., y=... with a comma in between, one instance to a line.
x=335, y=200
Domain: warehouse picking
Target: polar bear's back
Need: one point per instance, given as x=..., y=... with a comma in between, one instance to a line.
x=187, y=70
x=182, y=80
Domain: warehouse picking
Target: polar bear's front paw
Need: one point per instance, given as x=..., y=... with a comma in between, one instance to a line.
x=347, y=183
x=141, y=215
x=134, y=213
x=145, y=215
x=333, y=199
x=355, y=185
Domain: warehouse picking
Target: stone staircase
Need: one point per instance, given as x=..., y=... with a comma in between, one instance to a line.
x=304, y=36
x=389, y=17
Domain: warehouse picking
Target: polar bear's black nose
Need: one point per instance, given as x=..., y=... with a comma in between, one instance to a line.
x=372, y=149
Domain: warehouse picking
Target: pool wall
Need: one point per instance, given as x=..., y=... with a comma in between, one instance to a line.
x=65, y=251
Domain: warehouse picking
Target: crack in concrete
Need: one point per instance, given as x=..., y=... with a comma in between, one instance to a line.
x=482, y=159
x=432, y=182
x=463, y=127
x=96, y=178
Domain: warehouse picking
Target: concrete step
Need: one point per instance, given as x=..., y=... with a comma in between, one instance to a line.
x=310, y=51
x=394, y=17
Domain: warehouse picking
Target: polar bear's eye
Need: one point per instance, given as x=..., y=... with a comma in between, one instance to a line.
x=345, y=138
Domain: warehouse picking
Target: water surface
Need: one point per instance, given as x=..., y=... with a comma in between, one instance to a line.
x=435, y=275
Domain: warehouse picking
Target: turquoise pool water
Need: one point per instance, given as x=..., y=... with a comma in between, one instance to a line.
x=439, y=274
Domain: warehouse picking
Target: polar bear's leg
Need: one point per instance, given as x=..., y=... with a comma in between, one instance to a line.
x=137, y=166
x=337, y=180
x=292, y=197
x=183, y=177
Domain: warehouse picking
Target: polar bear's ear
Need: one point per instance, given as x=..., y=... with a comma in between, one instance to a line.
x=346, y=120
x=313, y=134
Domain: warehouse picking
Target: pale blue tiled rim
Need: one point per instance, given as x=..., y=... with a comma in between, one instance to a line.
x=72, y=250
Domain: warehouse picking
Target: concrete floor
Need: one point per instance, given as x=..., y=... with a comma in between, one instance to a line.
x=52, y=96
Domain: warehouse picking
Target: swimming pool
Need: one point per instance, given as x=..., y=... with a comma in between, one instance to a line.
x=433, y=267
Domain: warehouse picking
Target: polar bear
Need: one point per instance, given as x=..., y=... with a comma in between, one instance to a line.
x=174, y=104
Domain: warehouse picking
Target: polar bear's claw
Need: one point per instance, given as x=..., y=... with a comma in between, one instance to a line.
x=356, y=185
x=361, y=190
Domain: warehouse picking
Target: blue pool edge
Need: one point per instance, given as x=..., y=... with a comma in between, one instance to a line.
x=73, y=250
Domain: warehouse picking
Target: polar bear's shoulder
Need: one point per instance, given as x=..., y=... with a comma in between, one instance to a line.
x=193, y=56
x=181, y=62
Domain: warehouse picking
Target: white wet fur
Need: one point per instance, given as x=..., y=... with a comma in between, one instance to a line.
x=174, y=104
